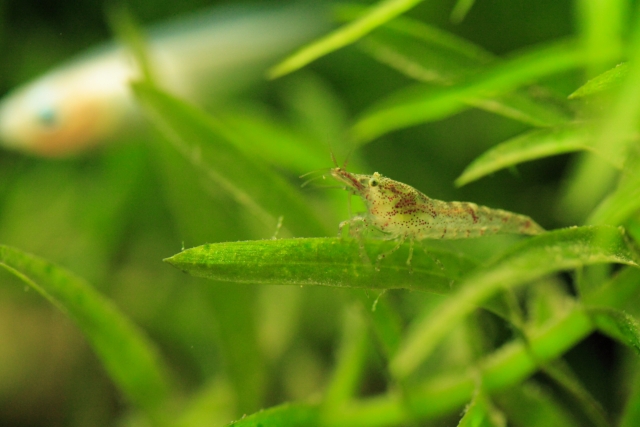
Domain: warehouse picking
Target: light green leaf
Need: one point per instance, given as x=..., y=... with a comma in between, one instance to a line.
x=602, y=29
x=377, y=15
x=351, y=360
x=481, y=413
x=204, y=141
x=264, y=137
x=617, y=324
x=617, y=131
x=425, y=61
x=541, y=255
x=131, y=360
x=433, y=56
x=384, y=319
x=321, y=261
x=624, y=202
x=421, y=103
x=604, y=81
x=529, y=146
x=287, y=415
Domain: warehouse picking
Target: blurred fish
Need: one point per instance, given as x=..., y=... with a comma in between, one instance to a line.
x=87, y=100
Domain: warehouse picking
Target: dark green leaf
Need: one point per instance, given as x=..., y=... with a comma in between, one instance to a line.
x=617, y=324
x=204, y=141
x=419, y=104
x=533, y=403
x=433, y=56
x=547, y=253
x=131, y=360
x=460, y=10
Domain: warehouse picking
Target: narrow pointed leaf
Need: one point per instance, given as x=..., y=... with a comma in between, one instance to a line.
x=419, y=104
x=624, y=202
x=502, y=370
x=541, y=255
x=377, y=15
x=617, y=324
x=608, y=79
x=481, y=413
x=534, y=403
x=131, y=360
x=321, y=261
x=351, y=360
x=287, y=415
x=529, y=146
x=460, y=10
x=564, y=377
x=206, y=143
x=433, y=56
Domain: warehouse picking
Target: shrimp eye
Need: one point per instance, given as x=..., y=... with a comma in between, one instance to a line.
x=373, y=182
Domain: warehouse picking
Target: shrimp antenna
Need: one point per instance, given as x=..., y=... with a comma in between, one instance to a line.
x=346, y=160
x=330, y=187
x=310, y=180
x=333, y=158
x=315, y=171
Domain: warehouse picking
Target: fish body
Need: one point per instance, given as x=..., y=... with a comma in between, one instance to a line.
x=88, y=100
x=402, y=212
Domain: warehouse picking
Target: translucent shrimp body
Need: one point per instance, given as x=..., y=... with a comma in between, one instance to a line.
x=402, y=212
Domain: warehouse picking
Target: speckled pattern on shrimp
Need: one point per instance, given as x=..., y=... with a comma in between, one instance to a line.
x=402, y=212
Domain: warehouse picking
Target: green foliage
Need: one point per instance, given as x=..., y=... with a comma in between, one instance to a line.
x=276, y=324
x=129, y=357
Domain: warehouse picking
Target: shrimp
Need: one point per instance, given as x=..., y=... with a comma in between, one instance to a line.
x=404, y=213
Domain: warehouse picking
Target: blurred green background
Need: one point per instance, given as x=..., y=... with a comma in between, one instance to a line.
x=112, y=215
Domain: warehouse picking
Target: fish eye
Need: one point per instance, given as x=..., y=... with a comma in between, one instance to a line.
x=47, y=117
x=373, y=182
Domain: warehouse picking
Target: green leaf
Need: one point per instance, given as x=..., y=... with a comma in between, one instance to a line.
x=377, y=15
x=630, y=416
x=351, y=360
x=131, y=360
x=533, y=403
x=421, y=103
x=608, y=79
x=433, y=56
x=264, y=136
x=617, y=324
x=460, y=10
x=205, y=142
x=384, y=319
x=624, y=202
x=124, y=26
x=321, y=261
x=481, y=413
x=448, y=391
x=617, y=132
x=602, y=27
x=529, y=146
x=561, y=373
x=287, y=415
x=541, y=255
